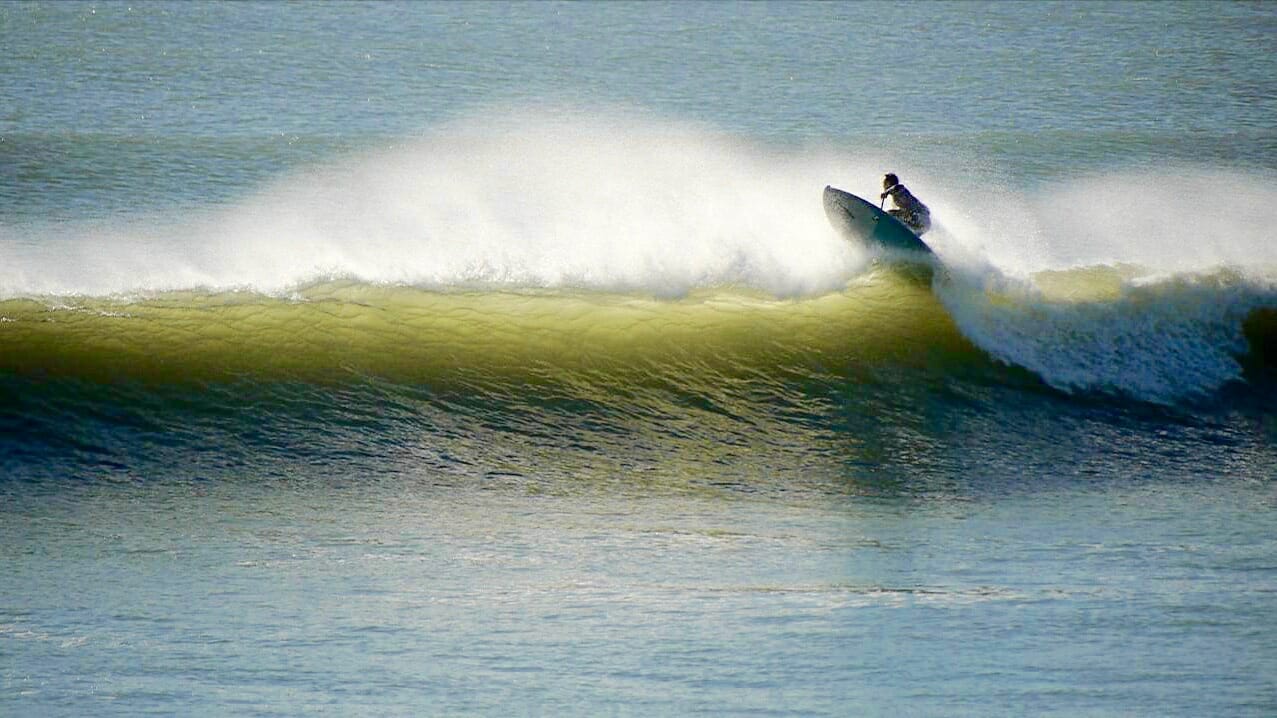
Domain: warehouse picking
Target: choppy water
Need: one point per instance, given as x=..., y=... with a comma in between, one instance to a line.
x=499, y=358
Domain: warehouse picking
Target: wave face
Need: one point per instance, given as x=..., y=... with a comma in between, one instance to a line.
x=552, y=383
x=1085, y=331
x=638, y=286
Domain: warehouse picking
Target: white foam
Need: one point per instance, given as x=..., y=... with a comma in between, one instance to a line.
x=624, y=202
x=1162, y=342
x=1151, y=274
x=619, y=203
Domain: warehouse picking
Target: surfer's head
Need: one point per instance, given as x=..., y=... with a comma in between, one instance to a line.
x=889, y=180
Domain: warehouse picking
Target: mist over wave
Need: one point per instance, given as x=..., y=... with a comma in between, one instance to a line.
x=1136, y=281
x=611, y=204
x=621, y=201
x=1163, y=220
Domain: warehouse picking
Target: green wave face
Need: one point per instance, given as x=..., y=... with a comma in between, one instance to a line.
x=493, y=383
x=868, y=389
x=333, y=332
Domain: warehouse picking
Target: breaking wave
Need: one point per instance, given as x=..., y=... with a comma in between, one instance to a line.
x=546, y=241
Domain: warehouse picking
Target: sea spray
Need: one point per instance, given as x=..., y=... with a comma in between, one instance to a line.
x=1137, y=283
x=1131, y=283
x=1163, y=342
x=614, y=203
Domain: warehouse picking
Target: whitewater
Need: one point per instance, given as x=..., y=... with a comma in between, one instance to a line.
x=499, y=359
x=1131, y=282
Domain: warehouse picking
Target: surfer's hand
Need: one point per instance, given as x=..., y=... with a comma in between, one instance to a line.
x=883, y=195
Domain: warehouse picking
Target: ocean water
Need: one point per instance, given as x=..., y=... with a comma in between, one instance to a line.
x=498, y=359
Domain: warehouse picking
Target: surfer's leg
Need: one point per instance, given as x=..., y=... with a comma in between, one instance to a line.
x=924, y=224
x=908, y=219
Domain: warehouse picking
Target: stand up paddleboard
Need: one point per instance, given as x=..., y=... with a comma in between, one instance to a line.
x=862, y=221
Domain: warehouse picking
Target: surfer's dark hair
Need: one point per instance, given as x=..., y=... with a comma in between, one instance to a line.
x=891, y=179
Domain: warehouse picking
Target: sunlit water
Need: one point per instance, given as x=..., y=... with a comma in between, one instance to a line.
x=454, y=359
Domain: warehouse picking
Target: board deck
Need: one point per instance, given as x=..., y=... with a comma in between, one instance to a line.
x=859, y=220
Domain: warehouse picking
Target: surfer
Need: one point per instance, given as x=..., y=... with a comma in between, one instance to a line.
x=907, y=209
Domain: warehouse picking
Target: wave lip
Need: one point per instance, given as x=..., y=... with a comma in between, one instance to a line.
x=334, y=331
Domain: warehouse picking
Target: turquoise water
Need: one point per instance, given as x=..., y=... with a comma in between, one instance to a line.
x=498, y=358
